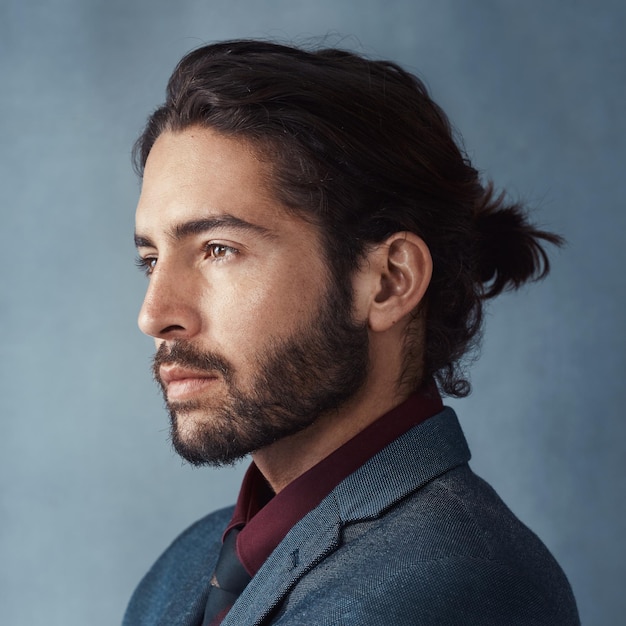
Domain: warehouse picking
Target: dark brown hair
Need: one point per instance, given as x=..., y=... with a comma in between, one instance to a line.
x=360, y=148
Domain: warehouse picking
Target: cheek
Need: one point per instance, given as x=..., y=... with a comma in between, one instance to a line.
x=251, y=313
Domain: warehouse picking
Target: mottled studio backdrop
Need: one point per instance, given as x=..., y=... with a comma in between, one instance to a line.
x=90, y=492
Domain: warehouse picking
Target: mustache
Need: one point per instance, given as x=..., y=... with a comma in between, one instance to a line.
x=184, y=354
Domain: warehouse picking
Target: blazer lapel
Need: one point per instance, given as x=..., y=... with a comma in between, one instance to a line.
x=426, y=451
x=311, y=540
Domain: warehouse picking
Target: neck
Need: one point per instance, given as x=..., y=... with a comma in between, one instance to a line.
x=287, y=459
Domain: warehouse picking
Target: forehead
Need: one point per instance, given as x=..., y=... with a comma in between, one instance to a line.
x=198, y=173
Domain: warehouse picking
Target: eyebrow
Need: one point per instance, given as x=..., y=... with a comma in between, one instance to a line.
x=199, y=226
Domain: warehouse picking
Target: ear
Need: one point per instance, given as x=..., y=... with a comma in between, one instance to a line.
x=400, y=269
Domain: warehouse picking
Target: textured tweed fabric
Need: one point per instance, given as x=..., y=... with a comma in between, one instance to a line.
x=412, y=537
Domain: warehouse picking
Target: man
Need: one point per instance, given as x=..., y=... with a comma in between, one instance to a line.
x=318, y=251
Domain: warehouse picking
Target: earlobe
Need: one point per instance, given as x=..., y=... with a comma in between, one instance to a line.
x=402, y=268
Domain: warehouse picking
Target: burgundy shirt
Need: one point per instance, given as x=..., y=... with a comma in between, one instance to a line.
x=265, y=518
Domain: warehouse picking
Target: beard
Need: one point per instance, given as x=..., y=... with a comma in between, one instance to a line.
x=297, y=380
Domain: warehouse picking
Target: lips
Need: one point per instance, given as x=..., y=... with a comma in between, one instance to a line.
x=181, y=383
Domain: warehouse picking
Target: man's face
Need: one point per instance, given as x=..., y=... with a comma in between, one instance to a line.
x=254, y=339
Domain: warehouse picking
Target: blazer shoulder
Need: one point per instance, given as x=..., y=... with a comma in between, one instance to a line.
x=451, y=552
x=174, y=588
x=198, y=539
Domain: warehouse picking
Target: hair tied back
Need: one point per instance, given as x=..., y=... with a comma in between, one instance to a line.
x=509, y=248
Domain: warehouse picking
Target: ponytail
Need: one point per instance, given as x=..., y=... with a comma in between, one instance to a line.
x=510, y=251
x=484, y=246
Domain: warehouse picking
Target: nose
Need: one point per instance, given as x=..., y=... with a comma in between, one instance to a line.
x=169, y=309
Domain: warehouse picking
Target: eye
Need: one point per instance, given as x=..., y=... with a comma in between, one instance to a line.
x=146, y=264
x=219, y=251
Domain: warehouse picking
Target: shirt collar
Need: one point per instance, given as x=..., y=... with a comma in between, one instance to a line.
x=265, y=518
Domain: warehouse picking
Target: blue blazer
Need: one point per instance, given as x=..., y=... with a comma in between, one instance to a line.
x=411, y=537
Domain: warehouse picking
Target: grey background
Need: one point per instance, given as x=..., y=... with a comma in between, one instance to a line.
x=90, y=492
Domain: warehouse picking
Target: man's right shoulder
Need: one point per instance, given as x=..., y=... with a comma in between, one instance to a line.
x=177, y=582
x=203, y=533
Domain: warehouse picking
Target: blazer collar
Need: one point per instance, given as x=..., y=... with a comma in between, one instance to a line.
x=423, y=453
